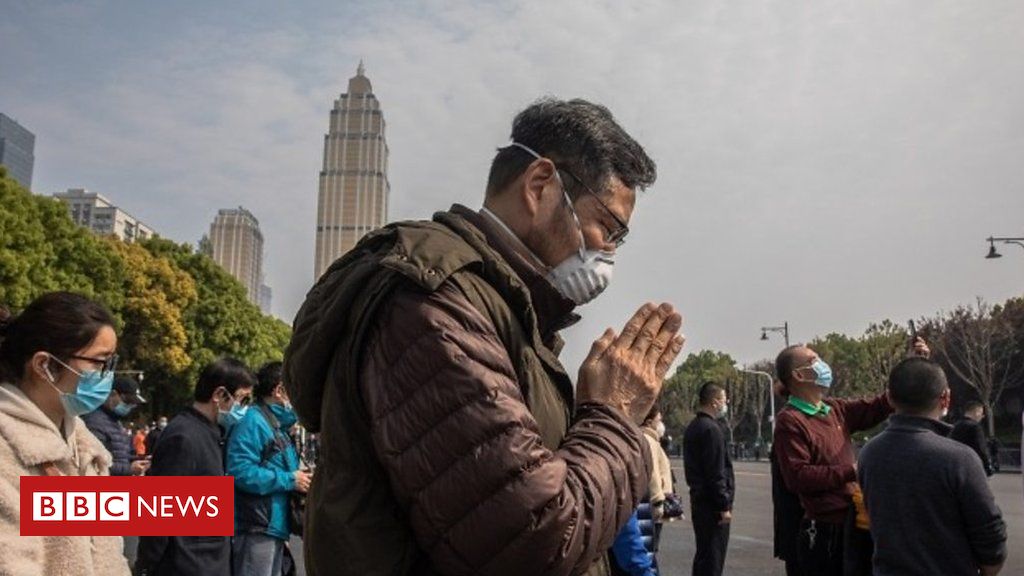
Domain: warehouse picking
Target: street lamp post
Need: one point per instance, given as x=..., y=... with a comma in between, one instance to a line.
x=771, y=399
x=992, y=253
x=784, y=330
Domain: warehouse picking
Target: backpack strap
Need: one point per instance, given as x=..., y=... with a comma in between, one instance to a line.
x=277, y=443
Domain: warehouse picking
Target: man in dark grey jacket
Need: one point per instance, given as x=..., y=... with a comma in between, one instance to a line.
x=930, y=505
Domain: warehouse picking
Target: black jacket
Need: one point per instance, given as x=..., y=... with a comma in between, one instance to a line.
x=105, y=426
x=913, y=476
x=151, y=440
x=191, y=445
x=971, y=434
x=707, y=464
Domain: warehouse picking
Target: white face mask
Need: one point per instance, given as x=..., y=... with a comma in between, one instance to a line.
x=660, y=429
x=723, y=411
x=582, y=277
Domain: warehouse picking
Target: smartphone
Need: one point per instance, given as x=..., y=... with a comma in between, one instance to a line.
x=913, y=331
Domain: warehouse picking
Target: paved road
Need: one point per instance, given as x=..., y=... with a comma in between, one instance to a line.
x=750, y=545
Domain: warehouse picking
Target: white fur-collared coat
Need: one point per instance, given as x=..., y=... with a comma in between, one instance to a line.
x=28, y=440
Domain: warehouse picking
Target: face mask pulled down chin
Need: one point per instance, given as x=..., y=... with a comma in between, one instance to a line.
x=583, y=277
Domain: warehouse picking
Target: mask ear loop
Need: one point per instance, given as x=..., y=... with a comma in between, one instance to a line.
x=575, y=219
x=49, y=373
x=565, y=194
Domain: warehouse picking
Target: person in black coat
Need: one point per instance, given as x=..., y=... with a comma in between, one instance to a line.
x=710, y=477
x=105, y=424
x=969, y=432
x=154, y=434
x=193, y=445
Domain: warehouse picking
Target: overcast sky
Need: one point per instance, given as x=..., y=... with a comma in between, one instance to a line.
x=826, y=163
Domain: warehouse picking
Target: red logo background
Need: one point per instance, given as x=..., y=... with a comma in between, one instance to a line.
x=145, y=487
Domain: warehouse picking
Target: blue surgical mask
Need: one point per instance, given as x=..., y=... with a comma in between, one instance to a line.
x=823, y=373
x=285, y=415
x=228, y=418
x=92, y=391
x=123, y=409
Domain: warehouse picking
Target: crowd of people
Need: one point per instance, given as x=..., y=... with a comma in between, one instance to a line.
x=61, y=406
x=451, y=438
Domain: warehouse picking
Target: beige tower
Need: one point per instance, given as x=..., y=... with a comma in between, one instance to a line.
x=354, y=187
x=237, y=245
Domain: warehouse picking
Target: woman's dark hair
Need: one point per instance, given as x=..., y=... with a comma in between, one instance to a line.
x=60, y=323
x=268, y=377
x=652, y=414
x=230, y=373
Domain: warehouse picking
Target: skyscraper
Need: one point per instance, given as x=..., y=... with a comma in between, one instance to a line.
x=353, y=197
x=98, y=214
x=17, y=150
x=237, y=245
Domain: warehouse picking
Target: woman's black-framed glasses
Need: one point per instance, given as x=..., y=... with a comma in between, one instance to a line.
x=107, y=365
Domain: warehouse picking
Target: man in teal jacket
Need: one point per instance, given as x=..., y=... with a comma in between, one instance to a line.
x=265, y=466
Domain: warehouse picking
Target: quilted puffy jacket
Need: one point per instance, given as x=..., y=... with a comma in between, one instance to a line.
x=426, y=359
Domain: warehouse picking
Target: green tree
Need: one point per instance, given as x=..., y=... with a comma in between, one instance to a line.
x=220, y=321
x=176, y=310
x=678, y=400
x=42, y=250
x=157, y=292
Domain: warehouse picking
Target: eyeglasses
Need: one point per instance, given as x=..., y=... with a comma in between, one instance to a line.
x=616, y=236
x=107, y=365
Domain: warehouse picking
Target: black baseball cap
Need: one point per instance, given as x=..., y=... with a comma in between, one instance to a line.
x=128, y=388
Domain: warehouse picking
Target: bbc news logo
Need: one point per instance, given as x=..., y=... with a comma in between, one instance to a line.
x=127, y=506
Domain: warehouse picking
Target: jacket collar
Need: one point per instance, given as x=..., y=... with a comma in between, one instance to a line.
x=554, y=311
x=35, y=439
x=907, y=423
x=213, y=427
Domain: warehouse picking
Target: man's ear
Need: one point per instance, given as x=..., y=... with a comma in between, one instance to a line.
x=538, y=176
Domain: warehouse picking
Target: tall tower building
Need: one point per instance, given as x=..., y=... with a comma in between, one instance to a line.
x=17, y=150
x=353, y=198
x=237, y=245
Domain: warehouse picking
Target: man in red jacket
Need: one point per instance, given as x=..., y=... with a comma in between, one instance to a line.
x=815, y=454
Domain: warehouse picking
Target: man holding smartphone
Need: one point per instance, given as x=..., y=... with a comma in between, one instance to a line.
x=816, y=456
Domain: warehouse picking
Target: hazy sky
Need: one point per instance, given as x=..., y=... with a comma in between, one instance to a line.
x=826, y=163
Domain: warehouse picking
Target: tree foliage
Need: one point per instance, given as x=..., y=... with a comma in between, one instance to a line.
x=176, y=309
